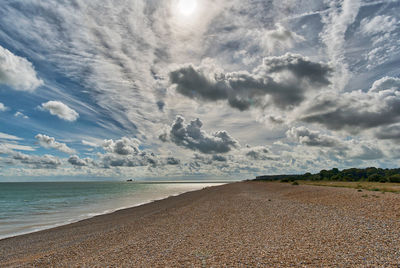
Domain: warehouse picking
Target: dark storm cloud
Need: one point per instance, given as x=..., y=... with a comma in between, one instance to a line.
x=192, y=137
x=243, y=89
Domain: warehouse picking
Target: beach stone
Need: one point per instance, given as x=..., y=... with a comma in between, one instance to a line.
x=233, y=225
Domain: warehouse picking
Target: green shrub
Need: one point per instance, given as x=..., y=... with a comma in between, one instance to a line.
x=295, y=183
x=374, y=177
x=394, y=178
x=383, y=180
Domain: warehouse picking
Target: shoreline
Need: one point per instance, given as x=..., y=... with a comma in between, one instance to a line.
x=83, y=217
x=75, y=220
x=243, y=223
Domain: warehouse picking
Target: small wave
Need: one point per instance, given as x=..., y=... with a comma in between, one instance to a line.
x=63, y=219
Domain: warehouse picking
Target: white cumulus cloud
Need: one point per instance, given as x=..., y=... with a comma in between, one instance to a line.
x=3, y=107
x=61, y=110
x=17, y=72
x=50, y=142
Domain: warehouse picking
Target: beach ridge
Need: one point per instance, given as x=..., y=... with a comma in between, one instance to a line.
x=244, y=223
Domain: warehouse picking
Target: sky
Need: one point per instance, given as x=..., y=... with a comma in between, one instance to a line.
x=208, y=89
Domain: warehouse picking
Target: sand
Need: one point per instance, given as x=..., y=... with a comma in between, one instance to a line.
x=247, y=224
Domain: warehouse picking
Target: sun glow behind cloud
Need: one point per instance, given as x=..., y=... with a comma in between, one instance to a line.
x=187, y=7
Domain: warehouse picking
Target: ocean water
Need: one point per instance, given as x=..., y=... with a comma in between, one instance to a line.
x=31, y=206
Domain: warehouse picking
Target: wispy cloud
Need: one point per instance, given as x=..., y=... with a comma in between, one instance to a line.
x=336, y=22
x=9, y=137
x=285, y=77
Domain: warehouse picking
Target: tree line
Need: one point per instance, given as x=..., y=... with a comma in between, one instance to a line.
x=352, y=174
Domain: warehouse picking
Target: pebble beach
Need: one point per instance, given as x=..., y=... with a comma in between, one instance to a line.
x=245, y=224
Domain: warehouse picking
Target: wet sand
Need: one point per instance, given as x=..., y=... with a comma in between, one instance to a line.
x=246, y=224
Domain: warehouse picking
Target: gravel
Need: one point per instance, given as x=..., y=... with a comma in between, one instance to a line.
x=247, y=224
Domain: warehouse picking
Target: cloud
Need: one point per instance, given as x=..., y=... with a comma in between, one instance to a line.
x=19, y=114
x=61, y=110
x=258, y=153
x=3, y=108
x=279, y=38
x=82, y=43
x=211, y=161
x=123, y=146
x=4, y=149
x=391, y=132
x=15, y=146
x=89, y=143
x=357, y=110
x=380, y=32
x=284, y=79
x=113, y=68
x=311, y=138
x=160, y=105
x=378, y=24
x=192, y=137
x=219, y=158
x=10, y=142
x=366, y=151
x=76, y=161
x=141, y=159
x=9, y=137
x=50, y=142
x=46, y=161
x=337, y=20
x=173, y=161
x=17, y=72
x=386, y=83
x=126, y=152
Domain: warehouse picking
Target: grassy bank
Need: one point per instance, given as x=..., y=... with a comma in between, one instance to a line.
x=362, y=185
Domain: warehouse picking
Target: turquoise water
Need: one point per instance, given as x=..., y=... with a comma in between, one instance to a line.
x=31, y=206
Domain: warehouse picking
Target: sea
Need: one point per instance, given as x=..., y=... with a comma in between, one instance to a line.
x=27, y=207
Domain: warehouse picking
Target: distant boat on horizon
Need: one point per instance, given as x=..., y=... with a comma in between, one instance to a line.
x=129, y=180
